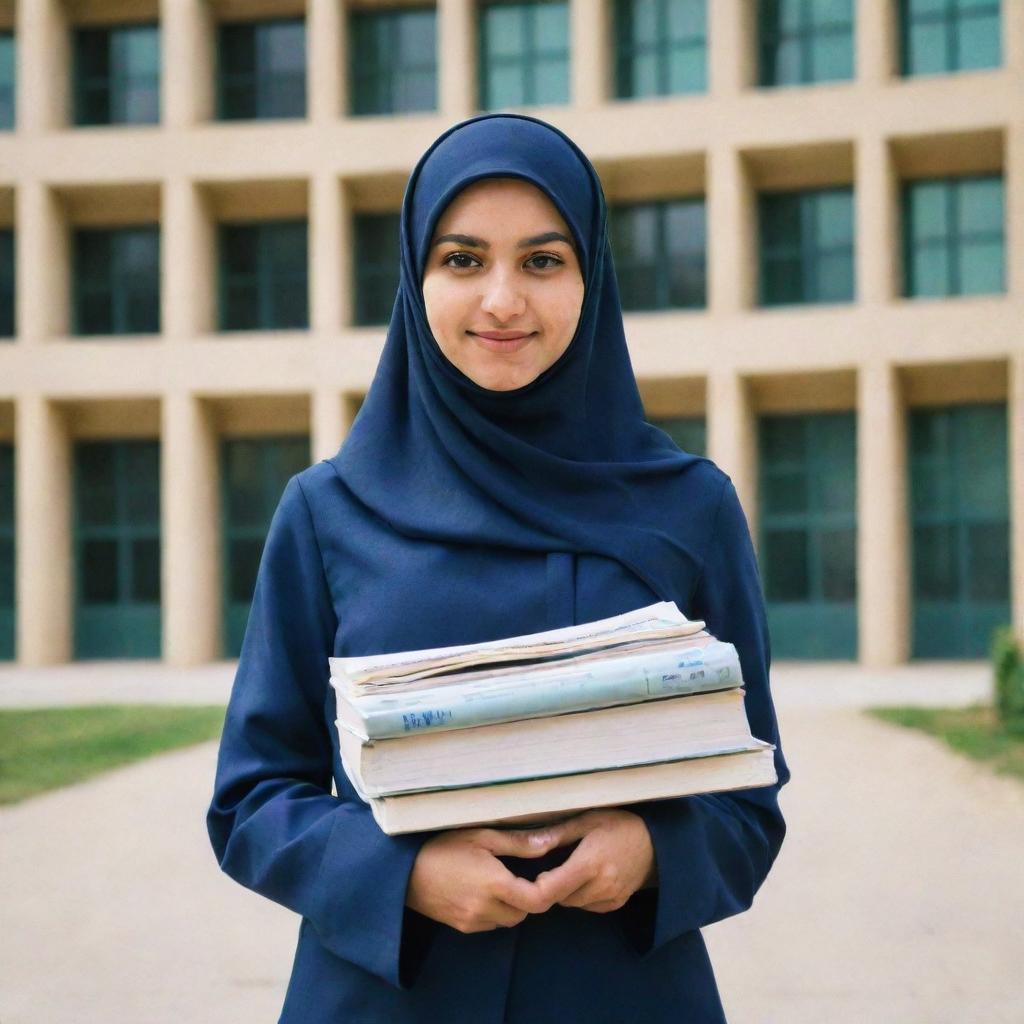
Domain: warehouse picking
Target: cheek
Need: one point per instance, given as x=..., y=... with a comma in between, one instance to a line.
x=568, y=314
x=438, y=302
x=451, y=300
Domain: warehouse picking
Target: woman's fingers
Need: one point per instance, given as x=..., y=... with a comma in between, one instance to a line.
x=520, y=894
x=561, y=882
x=505, y=916
x=602, y=906
x=515, y=842
x=564, y=832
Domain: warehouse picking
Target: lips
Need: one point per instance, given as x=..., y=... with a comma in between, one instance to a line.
x=502, y=342
x=501, y=335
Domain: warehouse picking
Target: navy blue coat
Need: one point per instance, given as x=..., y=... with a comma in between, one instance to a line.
x=277, y=828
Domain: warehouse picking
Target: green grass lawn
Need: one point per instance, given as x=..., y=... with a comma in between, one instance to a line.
x=974, y=731
x=45, y=748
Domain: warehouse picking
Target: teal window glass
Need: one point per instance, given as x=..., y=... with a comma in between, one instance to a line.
x=8, y=77
x=660, y=47
x=960, y=528
x=524, y=53
x=116, y=280
x=7, y=289
x=940, y=36
x=803, y=41
x=7, y=625
x=117, y=75
x=263, y=276
x=660, y=253
x=261, y=69
x=254, y=472
x=393, y=60
x=808, y=529
x=806, y=246
x=117, y=549
x=953, y=236
x=375, y=265
x=689, y=432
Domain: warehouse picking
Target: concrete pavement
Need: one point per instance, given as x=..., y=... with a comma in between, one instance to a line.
x=897, y=896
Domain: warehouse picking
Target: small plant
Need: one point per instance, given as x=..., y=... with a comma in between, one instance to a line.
x=1008, y=665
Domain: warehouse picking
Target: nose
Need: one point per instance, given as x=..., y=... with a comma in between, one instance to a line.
x=502, y=298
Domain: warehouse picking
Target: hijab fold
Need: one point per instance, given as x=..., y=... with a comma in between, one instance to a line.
x=565, y=463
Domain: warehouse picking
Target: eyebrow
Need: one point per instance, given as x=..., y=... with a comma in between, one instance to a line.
x=478, y=243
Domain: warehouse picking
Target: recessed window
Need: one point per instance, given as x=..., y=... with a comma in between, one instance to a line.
x=524, y=53
x=806, y=246
x=660, y=47
x=7, y=290
x=804, y=41
x=953, y=236
x=261, y=72
x=941, y=36
x=659, y=249
x=393, y=60
x=7, y=80
x=689, y=432
x=7, y=531
x=117, y=75
x=808, y=487
x=117, y=549
x=375, y=262
x=959, y=528
x=116, y=276
x=263, y=276
x=254, y=472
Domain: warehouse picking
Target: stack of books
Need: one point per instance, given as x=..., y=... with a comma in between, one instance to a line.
x=518, y=731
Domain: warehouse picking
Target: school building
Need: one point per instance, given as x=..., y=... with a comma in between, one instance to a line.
x=817, y=218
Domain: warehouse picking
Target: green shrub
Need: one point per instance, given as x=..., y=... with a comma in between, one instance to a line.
x=1008, y=664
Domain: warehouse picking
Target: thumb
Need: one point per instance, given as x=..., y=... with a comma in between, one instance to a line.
x=518, y=842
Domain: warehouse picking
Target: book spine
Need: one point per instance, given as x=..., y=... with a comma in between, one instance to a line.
x=714, y=666
x=522, y=803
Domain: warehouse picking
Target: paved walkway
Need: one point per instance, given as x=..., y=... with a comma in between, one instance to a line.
x=897, y=898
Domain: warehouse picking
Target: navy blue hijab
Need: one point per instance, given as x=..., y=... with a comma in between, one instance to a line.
x=565, y=463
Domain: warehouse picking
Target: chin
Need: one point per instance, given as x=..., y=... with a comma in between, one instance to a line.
x=501, y=383
x=502, y=378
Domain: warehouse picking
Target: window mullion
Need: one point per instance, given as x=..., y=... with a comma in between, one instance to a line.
x=962, y=535
x=386, y=83
x=260, y=85
x=662, y=48
x=263, y=275
x=115, y=105
x=805, y=35
x=528, y=67
x=953, y=278
x=949, y=16
x=661, y=251
x=813, y=520
x=274, y=462
x=117, y=320
x=121, y=514
x=808, y=271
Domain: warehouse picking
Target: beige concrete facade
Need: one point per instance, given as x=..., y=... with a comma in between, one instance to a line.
x=189, y=386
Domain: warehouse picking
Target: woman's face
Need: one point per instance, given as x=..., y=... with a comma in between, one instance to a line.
x=502, y=284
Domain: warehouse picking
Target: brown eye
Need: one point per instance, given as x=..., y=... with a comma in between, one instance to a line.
x=554, y=261
x=448, y=261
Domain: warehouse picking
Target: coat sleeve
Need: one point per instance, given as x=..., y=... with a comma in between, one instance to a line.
x=274, y=824
x=713, y=851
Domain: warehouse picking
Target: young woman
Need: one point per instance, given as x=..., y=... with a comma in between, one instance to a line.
x=500, y=479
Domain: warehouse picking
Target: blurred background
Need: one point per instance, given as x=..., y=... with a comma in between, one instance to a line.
x=817, y=221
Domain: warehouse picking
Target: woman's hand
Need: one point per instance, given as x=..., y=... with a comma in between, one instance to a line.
x=458, y=880
x=614, y=858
